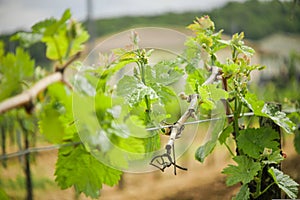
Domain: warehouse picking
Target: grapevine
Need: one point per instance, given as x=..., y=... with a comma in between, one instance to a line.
x=102, y=129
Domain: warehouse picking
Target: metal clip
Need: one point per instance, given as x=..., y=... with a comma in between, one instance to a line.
x=165, y=160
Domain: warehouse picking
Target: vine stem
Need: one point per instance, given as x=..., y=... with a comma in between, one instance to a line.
x=141, y=64
x=266, y=189
x=179, y=125
x=228, y=148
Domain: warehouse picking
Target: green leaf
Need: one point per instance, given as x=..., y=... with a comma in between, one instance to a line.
x=53, y=26
x=279, y=118
x=204, y=150
x=274, y=158
x=284, y=182
x=76, y=38
x=26, y=39
x=253, y=141
x=244, y=172
x=210, y=94
x=57, y=45
x=56, y=119
x=164, y=93
x=238, y=44
x=254, y=104
x=42, y=26
x=78, y=168
x=225, y=134
x=15, y=69
x=195, y=78
x=192, y=52
x=164, y=72
x=130, y=144
x=50, y=125
x=106, y=72
x=295, y=117
x=244, y=193
x=63, y=41
x=267, y=110
x=134, y=90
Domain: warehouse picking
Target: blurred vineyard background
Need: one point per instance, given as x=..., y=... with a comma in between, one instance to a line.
x=272, y=28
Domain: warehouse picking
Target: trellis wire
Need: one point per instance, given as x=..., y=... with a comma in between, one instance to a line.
x=53, y=147
x=36, y=149
x=199, y=121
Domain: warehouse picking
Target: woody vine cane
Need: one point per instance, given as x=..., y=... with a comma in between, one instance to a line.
x=175, y=131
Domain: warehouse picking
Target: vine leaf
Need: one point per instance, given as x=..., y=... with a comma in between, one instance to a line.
x=76, y=167
x=225, y=134
x=50, y=125
x=134, y=90
x=62, y=40
x=165, y=94
x=55, y=121
x=264, y=110
x=238, y=43
x=243, y=194
x=106, y=72
x=14, y=68
x=279, y=118
x=253, y=141
x=164, y=72
x=284, y=182
x=195, y=78
x=210, y=94
x=26, y=39
x=273, y=157
x=244, y=172
x=254, y=104
x=204, y=150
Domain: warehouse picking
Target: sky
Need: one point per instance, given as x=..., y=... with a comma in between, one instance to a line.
x=22, y=14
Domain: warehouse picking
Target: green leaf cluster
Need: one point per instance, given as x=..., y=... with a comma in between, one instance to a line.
x=15, y=70
x=256, y=149
x=154, y=86
x=63, y=37
x=77, y=167
x=205, y=43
